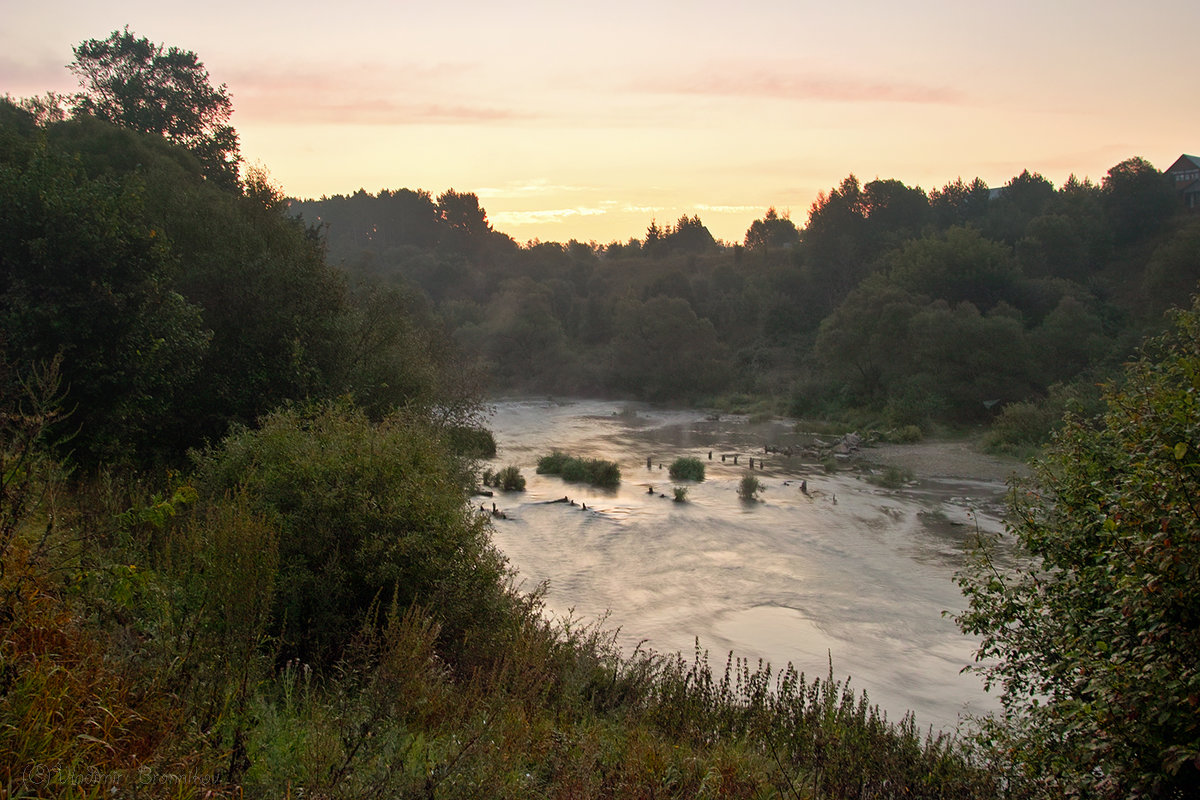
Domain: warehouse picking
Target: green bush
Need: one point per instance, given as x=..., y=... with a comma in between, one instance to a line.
x=892, y=477
x=510, y=479
x=1093, y=632
x=681, y=493
x=595, y=471
x=687, y=469
x=907, y=434
x=1022, y=426
x=471, y=442
x=749, y=488
x=363, y=510
x=552, y=464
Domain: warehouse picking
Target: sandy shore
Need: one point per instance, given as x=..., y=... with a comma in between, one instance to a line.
x=945, y=459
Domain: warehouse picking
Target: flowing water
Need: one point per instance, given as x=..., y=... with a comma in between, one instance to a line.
x=849, y=572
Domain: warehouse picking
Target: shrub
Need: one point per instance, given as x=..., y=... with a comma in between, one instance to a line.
x=362, y=510
x=509, y=479
x=749, y=488
x=471, y=442
x=892, y=477
x=1021, y=426
x=680, y=493
x=1093, y=634
x=595, y=471
x=552, y=464
x=906, y=434
x=687, y=469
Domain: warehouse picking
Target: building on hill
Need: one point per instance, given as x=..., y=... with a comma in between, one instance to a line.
x=1185, y=176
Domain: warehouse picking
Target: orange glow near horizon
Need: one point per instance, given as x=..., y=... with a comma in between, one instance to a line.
x=586, y=124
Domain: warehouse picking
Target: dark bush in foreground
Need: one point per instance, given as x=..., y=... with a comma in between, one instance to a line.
x=595, y=471
x=364, y=510
x=1094, y=634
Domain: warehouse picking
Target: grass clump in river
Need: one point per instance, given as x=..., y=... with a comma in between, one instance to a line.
x=508, y=479
x=687, y=469
x=595, y=471
x=749, y=488
x=891, y=477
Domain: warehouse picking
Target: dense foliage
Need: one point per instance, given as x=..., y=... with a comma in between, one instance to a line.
x=366, y=512
x=180, y=307
x=919, y=308
x=1095, y=640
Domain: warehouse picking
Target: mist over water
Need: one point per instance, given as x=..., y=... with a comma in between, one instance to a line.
x=851, y=571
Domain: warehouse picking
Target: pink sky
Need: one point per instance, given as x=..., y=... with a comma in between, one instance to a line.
x=585, y=122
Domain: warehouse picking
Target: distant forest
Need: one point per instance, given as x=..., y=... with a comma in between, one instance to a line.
x=943, y=307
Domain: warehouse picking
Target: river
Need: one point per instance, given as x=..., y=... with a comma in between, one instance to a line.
x=849, y=572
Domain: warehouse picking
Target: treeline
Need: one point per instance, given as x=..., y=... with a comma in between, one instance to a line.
x=237, y=554
x=918, y=307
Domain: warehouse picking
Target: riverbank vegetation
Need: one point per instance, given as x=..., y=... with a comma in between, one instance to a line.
x=237, y=551
x=1094, y=638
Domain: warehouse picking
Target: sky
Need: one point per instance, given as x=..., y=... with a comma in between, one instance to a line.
x=588, y=120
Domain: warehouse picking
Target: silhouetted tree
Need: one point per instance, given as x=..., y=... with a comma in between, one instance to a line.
x=959, y=203
x=771, y=231
x=134, y=83
x=689, y=236
x=1137, y=199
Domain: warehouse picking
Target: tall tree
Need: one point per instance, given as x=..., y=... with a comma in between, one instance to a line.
x=958, y=203
x=1137, y=199
x=771, y=231
x=85, y=276
x=137, y=84
x=834, y=242
x=895, y=211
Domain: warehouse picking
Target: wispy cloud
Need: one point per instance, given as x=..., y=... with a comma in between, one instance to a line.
x=796, y=82
x=35, y=77
x=730, y=209
x=395, y=94
x=543, y=216
x=529, y=188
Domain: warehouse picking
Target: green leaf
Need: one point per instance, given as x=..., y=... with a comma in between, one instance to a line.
x=1181, y=449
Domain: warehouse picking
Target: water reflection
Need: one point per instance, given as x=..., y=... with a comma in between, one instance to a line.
x=847, y=571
